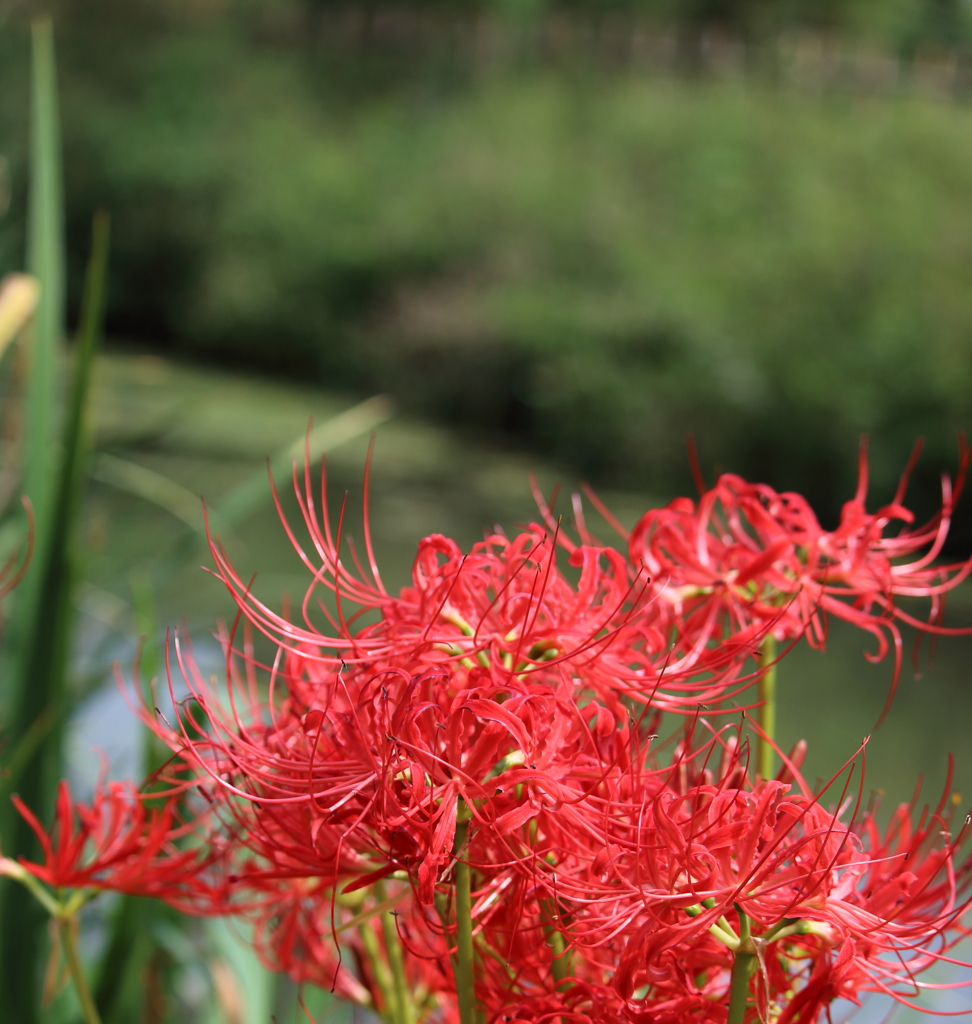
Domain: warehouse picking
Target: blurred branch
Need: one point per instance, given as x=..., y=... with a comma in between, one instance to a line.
x=243, y=500
x=338, y=430
x=153, y=487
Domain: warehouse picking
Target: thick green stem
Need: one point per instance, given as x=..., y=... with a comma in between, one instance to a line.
x=742, y=966
x=69, y=928
x=393, y=950
x=742, y=969
x=465, y=979
x=767, y=711
x=560, y=967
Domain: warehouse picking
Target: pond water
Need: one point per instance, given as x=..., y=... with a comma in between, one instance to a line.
x=207, y=432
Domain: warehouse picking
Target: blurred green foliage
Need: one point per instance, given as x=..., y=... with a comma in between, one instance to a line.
x=593, y=259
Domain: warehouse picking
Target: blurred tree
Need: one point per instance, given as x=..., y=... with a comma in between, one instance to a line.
x=938, y=24
x=610, y=260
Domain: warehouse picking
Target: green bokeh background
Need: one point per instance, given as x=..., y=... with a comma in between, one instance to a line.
x=589, y=248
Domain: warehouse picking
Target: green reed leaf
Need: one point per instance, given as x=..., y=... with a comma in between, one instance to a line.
x=44, y=626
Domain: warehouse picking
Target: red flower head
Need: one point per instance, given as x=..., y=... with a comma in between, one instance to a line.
x=747, y=561
x=354, y=944
x=689, y=875
x=372, y=777
x=464, y=691
x=126, y=841
x=502, y=615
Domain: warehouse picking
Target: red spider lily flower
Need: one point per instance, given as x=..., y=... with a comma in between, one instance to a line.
x=124, y=841
x=835, y=908
x=463, y=693
x=505, y=607
x=746, y=561
x=348, y=949
x=370, y=778
x=347, y=953
x=377, y=949
x=578, y=1003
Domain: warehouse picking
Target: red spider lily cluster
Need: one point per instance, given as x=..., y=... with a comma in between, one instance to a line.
x=452, y=803
x=130, y=842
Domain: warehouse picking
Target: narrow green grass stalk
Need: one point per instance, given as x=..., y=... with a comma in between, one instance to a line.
x=464, y=966
x=43, y=644
x=254, y=491
x=154, y=751
x=129, y=946
x=767, y=712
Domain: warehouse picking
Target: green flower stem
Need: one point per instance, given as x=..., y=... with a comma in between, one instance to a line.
x=382, y=975
x=396, y=962
x=721, y=930
x=69, y=930
x=744, y=960
x=742, y=965
x=19, y=873
x=65, y=916
x=560, y=967
x=465, y=980
x=560, y=964
x=782, y=929
x=767, y=711
x=371, y=912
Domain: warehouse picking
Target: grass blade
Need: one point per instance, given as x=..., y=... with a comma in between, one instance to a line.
x=43, y=641
x=121, y=992
x=29, y=699
x=45, y=261
x=338, y=430
x=244, y=499
x=151, y=486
